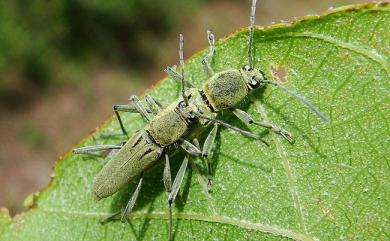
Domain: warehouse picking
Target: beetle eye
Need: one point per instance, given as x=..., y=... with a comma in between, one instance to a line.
x=254, y=83
x=191, y=116
x=181, y=105
x=246, y=68
x=263, y=75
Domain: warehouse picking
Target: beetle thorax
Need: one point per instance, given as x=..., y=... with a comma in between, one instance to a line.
x=168, y=126
x=225, y=89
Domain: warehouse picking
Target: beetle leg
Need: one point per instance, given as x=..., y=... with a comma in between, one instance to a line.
x=109, y=136
x=130, y=205
x=190, y=148
x=246, y=118
x=171, y=71
x=136, y=107
x=167, y=175
x=175, y=189
x=172, y=188
x=110, y=217
x=123, y=108
x=207, y=146
x=236, y=129
x=140, y=108
x=196, y=143
x=207, y=68
x=154, y=106
x=205, y=185
x=176, y=76
x=88, y=150
x=209, y=55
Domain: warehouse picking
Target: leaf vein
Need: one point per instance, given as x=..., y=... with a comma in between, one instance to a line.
x=348, y=187
x=289, y=172
x=381, y=60
x=318, y=68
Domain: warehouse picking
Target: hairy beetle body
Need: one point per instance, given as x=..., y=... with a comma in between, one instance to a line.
x=139, y=153
x=168, y=126
x=226, y=89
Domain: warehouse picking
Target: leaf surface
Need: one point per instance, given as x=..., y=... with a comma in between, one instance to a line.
x=332, y=184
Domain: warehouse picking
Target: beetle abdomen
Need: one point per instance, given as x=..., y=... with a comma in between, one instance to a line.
x=139, y=153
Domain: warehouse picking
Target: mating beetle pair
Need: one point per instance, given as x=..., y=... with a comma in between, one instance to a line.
x=178, y=125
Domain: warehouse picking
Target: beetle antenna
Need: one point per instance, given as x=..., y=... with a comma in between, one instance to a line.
x=252, y=19
x=302, y=99
x=181, y=57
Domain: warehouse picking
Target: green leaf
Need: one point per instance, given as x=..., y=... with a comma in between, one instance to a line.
x=332, y=184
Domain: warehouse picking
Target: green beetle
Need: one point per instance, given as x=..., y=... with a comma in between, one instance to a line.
x=178, y=125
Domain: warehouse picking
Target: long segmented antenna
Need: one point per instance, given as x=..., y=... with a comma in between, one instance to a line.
x=289, y=92
x=181, y=57
x=209, y=55
x=303, y=100
x=251, y=30
x=211, y=39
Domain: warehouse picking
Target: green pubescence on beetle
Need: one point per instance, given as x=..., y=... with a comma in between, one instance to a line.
x=137, y=155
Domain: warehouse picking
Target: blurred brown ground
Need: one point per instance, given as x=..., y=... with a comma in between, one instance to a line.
x=37, y=124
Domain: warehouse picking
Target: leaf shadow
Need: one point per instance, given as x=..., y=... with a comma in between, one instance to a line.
x=153, y=183
x=303, y=134
x=181, y=199
x=145, y=225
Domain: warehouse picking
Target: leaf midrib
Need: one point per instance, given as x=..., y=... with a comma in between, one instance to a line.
x=244, y=224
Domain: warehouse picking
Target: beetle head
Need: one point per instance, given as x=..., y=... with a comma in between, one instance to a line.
x=254, y=78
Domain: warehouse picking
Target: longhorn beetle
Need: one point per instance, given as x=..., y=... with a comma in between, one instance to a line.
x=178, y=125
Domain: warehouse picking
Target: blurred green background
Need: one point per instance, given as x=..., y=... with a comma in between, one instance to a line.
x=63, y=63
